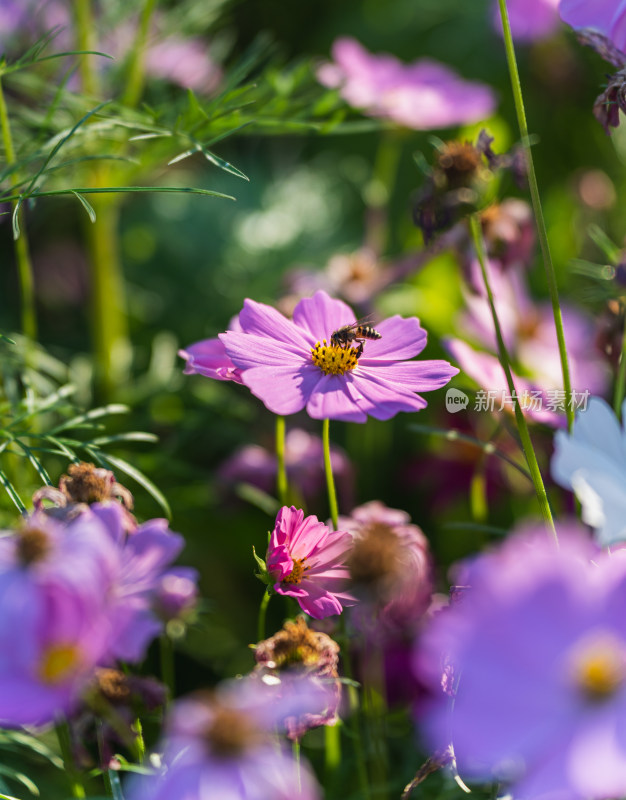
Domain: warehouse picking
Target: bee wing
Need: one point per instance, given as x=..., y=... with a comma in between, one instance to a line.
x=362, y=322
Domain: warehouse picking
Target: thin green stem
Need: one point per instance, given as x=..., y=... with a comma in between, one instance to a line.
x=380, y=188
x=357, y=729
x=503, y=357
x=620, y=383
x=166, y=652
x=84, y=23
x=260, y=630
x=136, y=72
x=332, y=751
x=537, y=208
x=74, y=777
x=295, y=748
x=108, y=313
x=330, y=480
x=22, y=253
x=282, y=486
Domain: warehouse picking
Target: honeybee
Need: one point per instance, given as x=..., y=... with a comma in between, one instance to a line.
x=357, y=331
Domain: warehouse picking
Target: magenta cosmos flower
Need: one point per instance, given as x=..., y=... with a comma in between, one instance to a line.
x=305, y=560
x=292, y=364
x=537, y=647
x=421, y=95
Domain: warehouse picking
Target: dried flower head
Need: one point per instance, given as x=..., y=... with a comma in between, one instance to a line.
x=294, y=652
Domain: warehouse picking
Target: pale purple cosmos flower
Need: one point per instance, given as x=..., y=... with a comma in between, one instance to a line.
x=607, y=17
x=530, y=19
x=391, y=570
x=208, y=357
x=591, y=460
x=306, y=561
x=422, y=95
x=304, y=457
x=55, y=583
x=145, y=558
x=175, y=593
x=292, y=364
x=185, y=62
x=530, y=337
x=537, y=649
x=222, y=747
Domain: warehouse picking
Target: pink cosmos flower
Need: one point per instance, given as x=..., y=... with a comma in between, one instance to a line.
x=306, y=560
x=421, y=95
x=292, y=364
x=538, y=645
x=530, y=19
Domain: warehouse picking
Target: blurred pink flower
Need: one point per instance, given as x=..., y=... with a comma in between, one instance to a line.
x=185, y=62
x=306, y=561
x=607, y=17
x=530, y=19
x=304, y=454
x=390, y=567
x=421, y=95
x=530, y=336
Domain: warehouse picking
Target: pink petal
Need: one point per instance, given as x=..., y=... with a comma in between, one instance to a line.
x=383, y=400
x=333, y=398
x=320, y=316
x=283, y=389
x=262, y=320
x=247, y=350
x=416, y=376
x=401, y=338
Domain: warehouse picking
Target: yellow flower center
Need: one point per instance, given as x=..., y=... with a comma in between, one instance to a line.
x=600, y=670
x=334, y=360
x=297, y=573
x=59, y=661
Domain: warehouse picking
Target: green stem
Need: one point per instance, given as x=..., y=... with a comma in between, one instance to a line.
x=356, y=728
x=85, y=28
x=332, y=751
x=620, y=383
x=295, y=747
x=108, y=313
x=282, y=485
x=63, y=735
x=260, y=630
x=22, y=253
x=503, y=357
x=537, y=208
x=330, y=480
x=108, y=318
x=136, y=73
x=380, y=188
x=166, y=651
